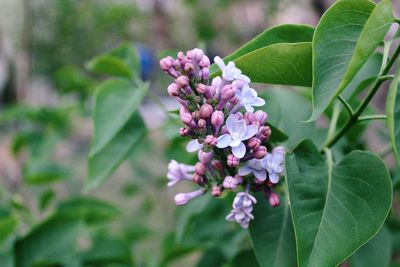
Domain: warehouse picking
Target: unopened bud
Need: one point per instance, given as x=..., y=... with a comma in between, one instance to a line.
x=265, y=132
x=200, y=169
x=217, y=118
x=183, y=132
x=254, y=143
x=189, y=67
x=201, y=88
x=260, y=152
x=227, y=92
x=198, y=179
x=249, y=117
x=274, y=200
x=166, y=63
x=173, y=90
x=232, y=161
x=211, y=140
x=202, y=124
x=205, y=157
x=196, y=115
x=182, y=81
x=204, y=62
x=205, y=74
x=217, y=164
x=206, y=111
x=261, y=116
x=216, y=190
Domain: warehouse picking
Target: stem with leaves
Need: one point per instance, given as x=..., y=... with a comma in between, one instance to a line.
x=355, y=117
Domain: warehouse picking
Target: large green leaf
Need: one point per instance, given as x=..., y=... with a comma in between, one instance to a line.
x=103, y=163
x=245, y=258
x=377, y=252
x=116, y=101
x=335, y=208
x=393, y=114
x=287, y=33
x=346, y=36
x=117, y=127
x=281, y=63
x=121, y=61
x=51, y=242
x=272, y=235
x=89, y=209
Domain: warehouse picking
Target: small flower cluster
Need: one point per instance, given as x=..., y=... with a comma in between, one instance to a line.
x=231, y=139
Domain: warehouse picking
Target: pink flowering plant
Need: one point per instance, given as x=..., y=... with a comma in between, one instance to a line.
x=230, y=137
x=277, y=131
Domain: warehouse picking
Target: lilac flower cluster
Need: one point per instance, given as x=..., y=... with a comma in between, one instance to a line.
x=231, y=139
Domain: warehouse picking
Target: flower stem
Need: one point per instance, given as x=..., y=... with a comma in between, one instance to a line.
x=354, y=118
x=371, y=117
x=346, y=105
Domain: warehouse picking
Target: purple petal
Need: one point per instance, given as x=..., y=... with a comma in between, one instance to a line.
x=224, y=141
x=239, y=151
x=193, y=146
x=245, y=170
x=258, y=102
x=250, y=131
x=273, y=177
x=260, y=175
x=220, y=63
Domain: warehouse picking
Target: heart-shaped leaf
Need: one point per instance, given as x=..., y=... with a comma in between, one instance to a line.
x=272, y=235
x=346, y=36
x=335, y=208
x=393, y=113
x=286, y=33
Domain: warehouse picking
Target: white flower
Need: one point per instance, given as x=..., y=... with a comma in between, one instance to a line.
x=274, y=163
x=238, y=132
x=242, y=208
x=230, y=72
x=255, y=166
x=178, y=172
x=248, y=98
x=193, y=146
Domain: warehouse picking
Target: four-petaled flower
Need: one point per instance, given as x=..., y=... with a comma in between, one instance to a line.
x=274, y=163
x=230, y=72
x=255, y=166
x=242, y=208
x=179, y=171
x=248, y=98
x=238, y=132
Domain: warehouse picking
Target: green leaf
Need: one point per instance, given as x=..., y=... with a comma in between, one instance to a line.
x=393, y=114
x=272, y=234
x=281, y=63
x=121, y=61
x=103, y=163
x=89, y=209
x=107, y=250
x=117, y=128
x=287, y=33
x=335, y=208
x=278, y=136
x=377, y=252
x=245, y=258
x=8, y=223
x=51, y=242
x=346, y=36
x=116, y=101
x=45, y=199
x=40, y=172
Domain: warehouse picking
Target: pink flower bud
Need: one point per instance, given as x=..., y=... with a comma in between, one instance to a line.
x=183, y=132
x=205, y=74
x=196, y=54
x=202, y=124
x=166, y=63
x=182, y=81
x=211, y=140
x=183, y=198
x=204, y=62
x=261, y=116
x=274, y=200
x=238, y=178
x=206, y=111
x=260, y=152
x=201, y=88
x=173, y=90
x=254, y=143
x=205, y=157
x=234, y=101
x=230, y=182
x=264, y=133
x=216, y=190
x=196, y=115
x=186, y=117
x=227, y=92
x=224, y=130
x=189, y=67
x=232, y=161
x=200, y=169
x=217, y=164
x=198, y=179
x=217, y=118
x=249, y=117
